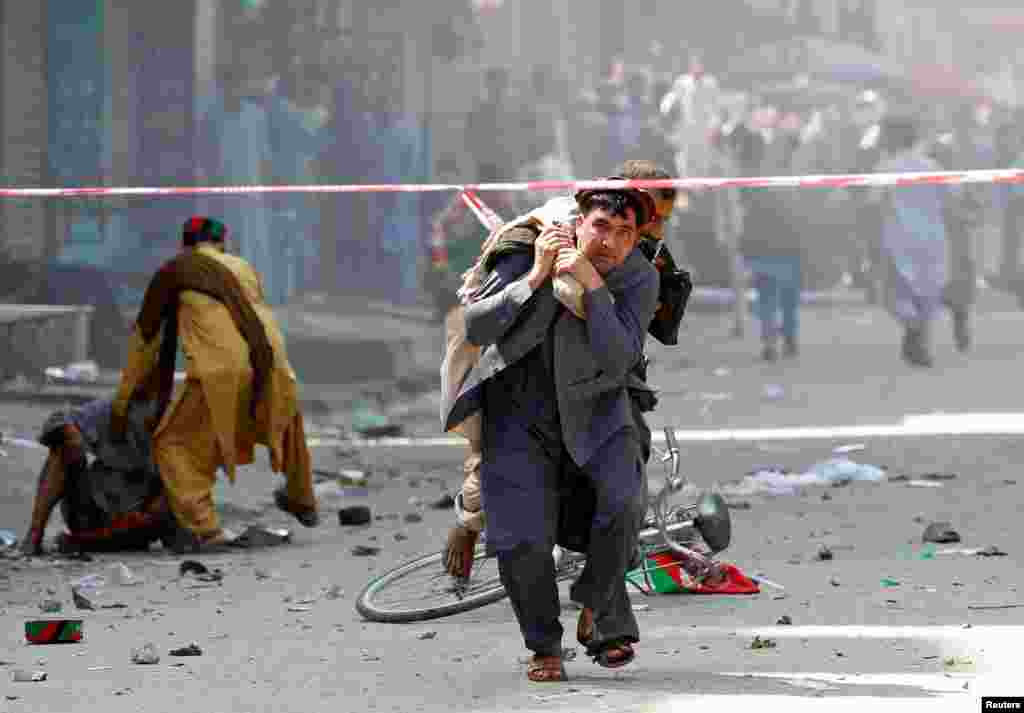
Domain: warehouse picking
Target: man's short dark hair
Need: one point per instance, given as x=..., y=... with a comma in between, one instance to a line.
x=616, y=203
x=642, y=170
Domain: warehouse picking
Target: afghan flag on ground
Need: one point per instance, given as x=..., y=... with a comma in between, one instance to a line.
x=664, y=573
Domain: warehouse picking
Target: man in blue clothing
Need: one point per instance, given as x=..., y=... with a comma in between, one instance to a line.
x=558, y=419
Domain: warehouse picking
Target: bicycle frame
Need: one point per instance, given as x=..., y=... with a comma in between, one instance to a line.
x=674, y=484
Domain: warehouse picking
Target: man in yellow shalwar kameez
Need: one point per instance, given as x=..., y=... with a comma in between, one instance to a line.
x=240, y=389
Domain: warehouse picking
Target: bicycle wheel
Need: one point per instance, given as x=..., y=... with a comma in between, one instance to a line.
x=420, y=590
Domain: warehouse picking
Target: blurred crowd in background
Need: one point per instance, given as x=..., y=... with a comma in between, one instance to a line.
x=343, y=91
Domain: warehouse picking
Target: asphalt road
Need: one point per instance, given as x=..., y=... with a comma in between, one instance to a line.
x=886, y=622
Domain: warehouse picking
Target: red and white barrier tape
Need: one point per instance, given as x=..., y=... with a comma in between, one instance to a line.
x=855, y=180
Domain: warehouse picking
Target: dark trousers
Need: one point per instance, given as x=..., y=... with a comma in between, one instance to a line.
x=535, y=497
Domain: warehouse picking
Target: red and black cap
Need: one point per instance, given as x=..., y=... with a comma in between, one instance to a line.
x=201, y=229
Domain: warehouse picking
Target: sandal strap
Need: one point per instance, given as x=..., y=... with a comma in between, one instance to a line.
x=551, y=666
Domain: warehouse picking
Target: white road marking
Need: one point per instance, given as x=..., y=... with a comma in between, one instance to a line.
x=985, y=664
x=933, y=424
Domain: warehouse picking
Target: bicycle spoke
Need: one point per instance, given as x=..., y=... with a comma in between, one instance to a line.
x=432, y=587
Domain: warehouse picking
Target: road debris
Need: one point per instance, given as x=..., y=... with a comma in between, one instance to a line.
x=427, y=635
x=122, y=576
x=940, y=533
x=259, y=536
x=412, y=517
x=849, y=448
x=81, y=601
x=759, y=643
x=982, y=607
x=365, y=551
x=50, y=606
x=53, y=631
x=824, y=553
x=190, y=650
x=145, y=655
x=335, y=592
x=22, y=676
x=354, y=515
x=445, y=502
x=990, y=551
x=784, y=620
x=199, y=571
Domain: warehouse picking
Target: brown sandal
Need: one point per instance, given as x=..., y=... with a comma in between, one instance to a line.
x=458, y=560
x=610, y=654
x=546, y=669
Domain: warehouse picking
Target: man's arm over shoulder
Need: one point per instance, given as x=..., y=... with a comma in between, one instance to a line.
x=616, y=328
x=503, y=295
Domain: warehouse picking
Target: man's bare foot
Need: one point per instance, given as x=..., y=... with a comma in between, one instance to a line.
x=546, y=669
x=458, y=559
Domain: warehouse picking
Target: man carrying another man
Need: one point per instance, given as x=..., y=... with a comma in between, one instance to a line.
x=553, y=391
x=674, y=290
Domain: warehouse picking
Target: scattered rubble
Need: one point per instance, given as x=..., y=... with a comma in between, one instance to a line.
x=199, y=571
x=258, y=536
x=365, y=551
x=354, y=515
x=22, y=676
x=824, y=553
x=145, y=655
x=784, y=620
x=759, y=643
x=445, y=502
x=81, y=601
x=940, y=533
x=190, y=650
x=121, y=575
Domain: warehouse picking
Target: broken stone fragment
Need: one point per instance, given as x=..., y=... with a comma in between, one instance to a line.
x=354, y=515
x=145, y=655
x=190, y=650
x=940, y=533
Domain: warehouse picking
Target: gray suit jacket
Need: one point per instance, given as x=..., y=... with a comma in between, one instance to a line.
x=593, y=358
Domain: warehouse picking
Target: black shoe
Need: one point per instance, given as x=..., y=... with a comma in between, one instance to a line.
x=914, y=350
x=961, y=331
x=789, y=348
x=769, y=352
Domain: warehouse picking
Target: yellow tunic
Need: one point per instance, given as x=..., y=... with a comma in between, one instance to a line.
x=217, y=364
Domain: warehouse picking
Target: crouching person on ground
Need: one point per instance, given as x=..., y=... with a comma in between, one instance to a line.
x=239, y=390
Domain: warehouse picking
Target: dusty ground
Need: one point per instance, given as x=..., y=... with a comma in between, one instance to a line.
x=274, y=638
